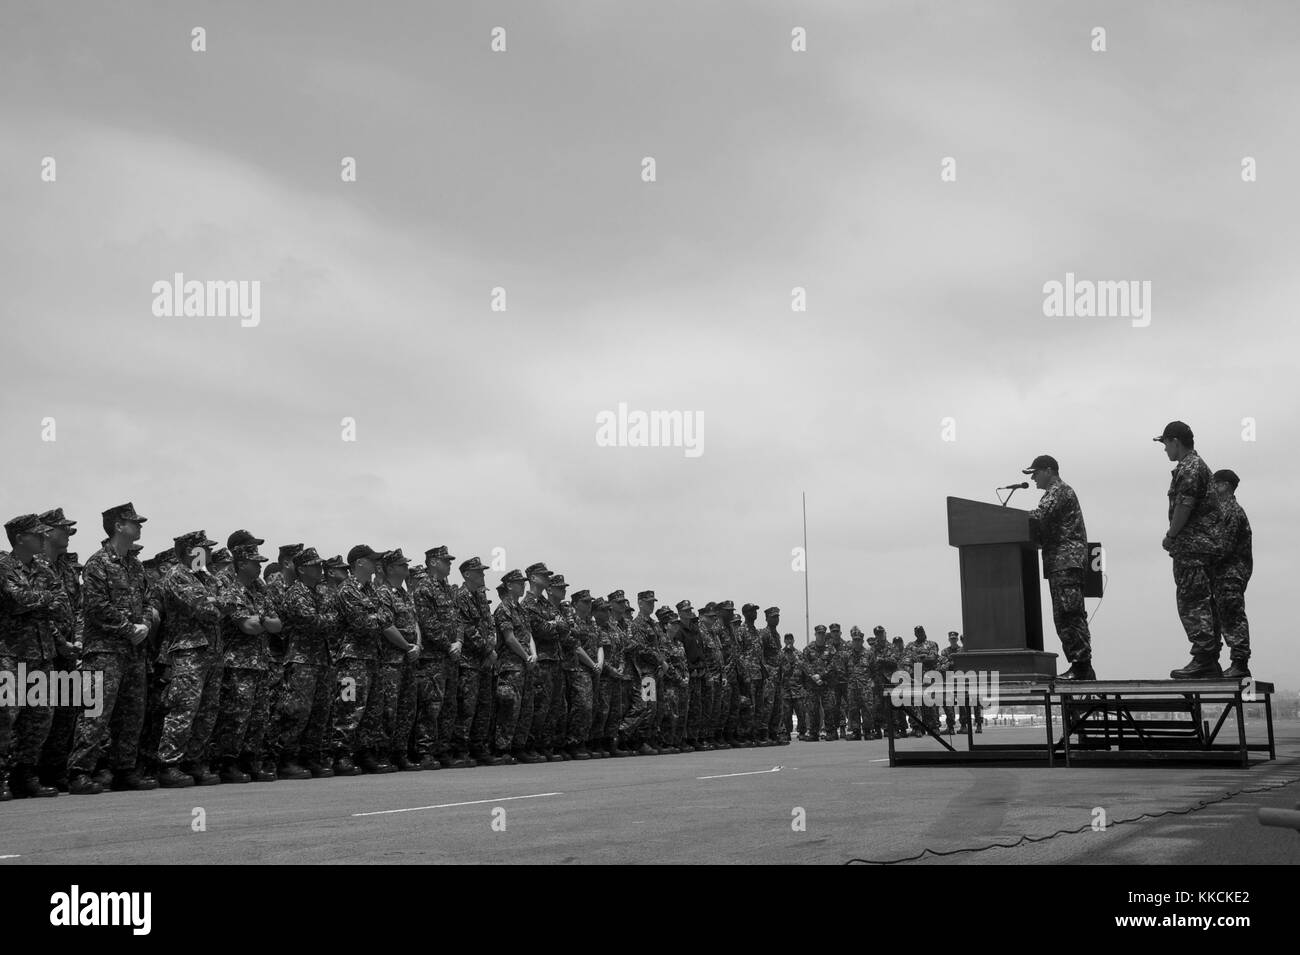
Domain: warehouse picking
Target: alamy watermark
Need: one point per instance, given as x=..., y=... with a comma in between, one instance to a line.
x=651, y=429
x=78, y=689
x=919, y=687
x=212, y=299
x=1084, y=298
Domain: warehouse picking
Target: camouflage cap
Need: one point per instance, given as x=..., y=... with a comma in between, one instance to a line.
x=835, y=627
x=515, y=576
x=666, y=613
x=308, y=558
x=471, y=566
x=336, y=563
x=749, y=608
x=709, y=609
x=683, y=606
x=820, y=628
x=772, y=612
x=1226, y=474
x=557, y=582
x=165, y=556
x=600, y=603
x=646, y=595
x=855, y=631
x=395, y=557
x=918, y=631
x=246, y=554
x=240, y=537
x=952, y=634
x=55, y=518
x=537, y=570
x=222, y=555
x=726, y=606
x=195, y=539
x=123, y=512
x=878, y=630
x=616, y=596
x=362, y=552
x=580, y=596
x=439, y=553
x=26, y=524
x=288, y=552
x=418, y=572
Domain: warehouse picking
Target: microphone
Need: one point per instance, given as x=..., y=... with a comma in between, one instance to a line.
x=1015, y=487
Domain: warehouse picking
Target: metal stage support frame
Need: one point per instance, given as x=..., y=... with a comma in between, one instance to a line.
x=1098, y=725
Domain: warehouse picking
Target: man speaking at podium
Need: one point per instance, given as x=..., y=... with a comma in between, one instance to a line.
x=1064, y=540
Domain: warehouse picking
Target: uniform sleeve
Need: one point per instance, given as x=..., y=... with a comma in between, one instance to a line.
x=299, y=609
x=357, y=613
x=1190, y=486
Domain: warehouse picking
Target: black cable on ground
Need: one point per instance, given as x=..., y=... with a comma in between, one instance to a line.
x=1025, y=840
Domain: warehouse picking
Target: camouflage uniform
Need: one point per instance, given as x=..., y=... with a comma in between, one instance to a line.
x=714, y=683
x=608, y=708
x=271, y=701
x=697, y=679
x=514, y=693
x=860, y=695
x=157, y=670
x=579, y=682
x=817, y=661
x=926, y=653
x=749, y=645
x=1065, y=558
x=361, y=620
x=397, y=673
x=113, y=601
x=889, y=718
x=642, y=653
x=792, y=692
x=60, y=578
x=241, y=721
x=1229, y=577
x=675, y=690
x=474, y=690
x=30, y=600
x=548, y=677
x=947, y=665
x=303, y=715
x=768, y=695
x=195, y=656
x=436, y=673
x=1195, y=550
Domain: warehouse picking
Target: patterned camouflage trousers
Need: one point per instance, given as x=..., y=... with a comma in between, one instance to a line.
x=1070, y=615
x=792, y=707
x=737, y=709
x=448, y=709
x=698, y=703
x=548, y=701
x=354, y=716
x=929, y=718
x=58, y=742
x=407, y=703
x=192, y=703
x=303, y=713
x=121, y=717
x=861, y=708
x=23, y=729
x=242, y=690
x=579, y=694
x=159, y=678
x=777, y=713
x=817, y=706
x=430, y=682
x=764, y=701
x=608, y=709
x=1228, y=593
x=514, y=711
x=473, y=709
x=716, y=713
x=638, y=722
x=1194, y=598
x=839, y=707
x=396, y=707
x=672, y=726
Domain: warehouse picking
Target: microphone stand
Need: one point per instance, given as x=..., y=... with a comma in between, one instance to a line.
x=1008, y=497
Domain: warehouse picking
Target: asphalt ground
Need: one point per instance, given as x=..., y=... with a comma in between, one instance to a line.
x=725, y=807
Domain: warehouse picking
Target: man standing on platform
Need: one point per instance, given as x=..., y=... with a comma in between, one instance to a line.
x=1064, y=540
x=1194, y=541
x=1228, y=578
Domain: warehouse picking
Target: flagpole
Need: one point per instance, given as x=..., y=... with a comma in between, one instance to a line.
x=806, y=618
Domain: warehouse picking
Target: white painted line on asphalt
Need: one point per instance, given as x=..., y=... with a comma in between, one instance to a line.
x=761, y=772
x=883, y=759
x=10, y=857
x=449, y=805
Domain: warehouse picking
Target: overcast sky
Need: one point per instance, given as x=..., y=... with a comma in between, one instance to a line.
x=775, y=169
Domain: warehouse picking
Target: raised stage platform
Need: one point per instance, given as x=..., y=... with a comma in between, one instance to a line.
x=1094, y=722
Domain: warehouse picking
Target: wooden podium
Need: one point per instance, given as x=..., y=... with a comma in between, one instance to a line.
x=1001, y=612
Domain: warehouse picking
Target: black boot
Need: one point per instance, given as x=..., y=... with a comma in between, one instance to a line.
x=26, y=784
x=82, y=785
x=1237, y=671
x=133, y=782
x=172, y=778
x=1200, y=668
